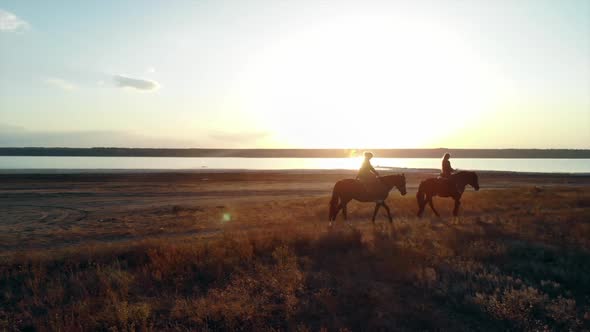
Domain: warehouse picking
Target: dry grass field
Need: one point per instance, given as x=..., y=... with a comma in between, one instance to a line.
x=253, y=251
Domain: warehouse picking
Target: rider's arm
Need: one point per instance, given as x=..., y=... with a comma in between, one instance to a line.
x=373, y=170
x=447, y=166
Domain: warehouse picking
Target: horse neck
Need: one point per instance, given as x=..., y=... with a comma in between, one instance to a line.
x=391, y=181
x=462, y=179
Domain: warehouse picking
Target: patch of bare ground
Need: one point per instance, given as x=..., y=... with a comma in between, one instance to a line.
x=516, y=259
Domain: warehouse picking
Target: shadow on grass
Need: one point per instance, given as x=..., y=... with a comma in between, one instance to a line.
x=412, y=275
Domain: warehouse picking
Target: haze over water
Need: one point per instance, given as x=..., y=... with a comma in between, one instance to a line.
x=48, y=164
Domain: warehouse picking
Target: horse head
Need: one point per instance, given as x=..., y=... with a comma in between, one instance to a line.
x=473, y=181
x=396, y=180
x=475, y=184
x=464, y=178
x=401, y=184
x=402, y=188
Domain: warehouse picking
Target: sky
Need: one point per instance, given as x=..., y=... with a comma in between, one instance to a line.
x=295, y=74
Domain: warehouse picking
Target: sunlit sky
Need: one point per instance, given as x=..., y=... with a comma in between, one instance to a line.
x=295, y=74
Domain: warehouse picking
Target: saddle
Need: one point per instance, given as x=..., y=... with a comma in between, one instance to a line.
x=451, y=185
x=373, y=188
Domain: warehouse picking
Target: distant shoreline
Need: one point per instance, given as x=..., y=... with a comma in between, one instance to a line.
x=297, y=153
x=10, y=172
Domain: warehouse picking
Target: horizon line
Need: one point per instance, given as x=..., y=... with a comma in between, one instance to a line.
x=303, y=148
x=511, y=153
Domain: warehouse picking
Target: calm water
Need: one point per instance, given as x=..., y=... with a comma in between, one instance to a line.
x=27, y=164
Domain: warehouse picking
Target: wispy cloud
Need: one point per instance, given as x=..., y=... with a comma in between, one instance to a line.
x=12, y=23
x=136, y=83
x=60, y=83
x=14, y=136
x=240, y=137
x=6, y=128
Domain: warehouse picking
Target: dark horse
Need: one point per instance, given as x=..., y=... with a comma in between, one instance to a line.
x=349, y=189
x=442, y=187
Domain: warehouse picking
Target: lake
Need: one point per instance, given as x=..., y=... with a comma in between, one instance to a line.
x=49, y=164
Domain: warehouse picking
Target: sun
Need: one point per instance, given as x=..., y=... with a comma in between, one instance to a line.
x=373, y=82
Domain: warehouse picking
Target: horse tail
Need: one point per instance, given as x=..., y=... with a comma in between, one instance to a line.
x=334, y=203
x=421, y=196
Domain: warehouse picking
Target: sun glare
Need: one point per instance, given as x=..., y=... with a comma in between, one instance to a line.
x=372, y=82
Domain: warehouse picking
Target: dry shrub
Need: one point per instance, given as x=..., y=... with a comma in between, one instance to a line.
x=520, y=268
x=520, y=307
x=256, y=297
x=563, y=312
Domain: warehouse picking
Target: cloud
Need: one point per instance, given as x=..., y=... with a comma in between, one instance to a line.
x=136, y=83
x=10, y=22
x=60, y=83
x=16, y=136
x=13, y=136
x=6, y=128
x=239, y=137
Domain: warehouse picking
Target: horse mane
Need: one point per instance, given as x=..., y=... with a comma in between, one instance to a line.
x=391, y=177
x=465, y=173
x=398, y=175
x=470, y=174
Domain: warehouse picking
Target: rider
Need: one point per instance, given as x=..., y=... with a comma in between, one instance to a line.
x=447, y=170
x=367, y=175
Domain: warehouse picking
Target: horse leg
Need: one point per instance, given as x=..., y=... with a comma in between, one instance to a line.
x=432, y=206
x=456, y=209
x=421, y=206
x=421, y=199
x=377, y=206
x=388, y=212
x=338, y=208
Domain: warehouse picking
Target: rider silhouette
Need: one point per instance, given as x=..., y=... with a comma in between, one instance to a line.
x=367, y=175
x=447, y=171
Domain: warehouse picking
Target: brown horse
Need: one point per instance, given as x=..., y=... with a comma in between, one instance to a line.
x=348, y=189
x=452, y=187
